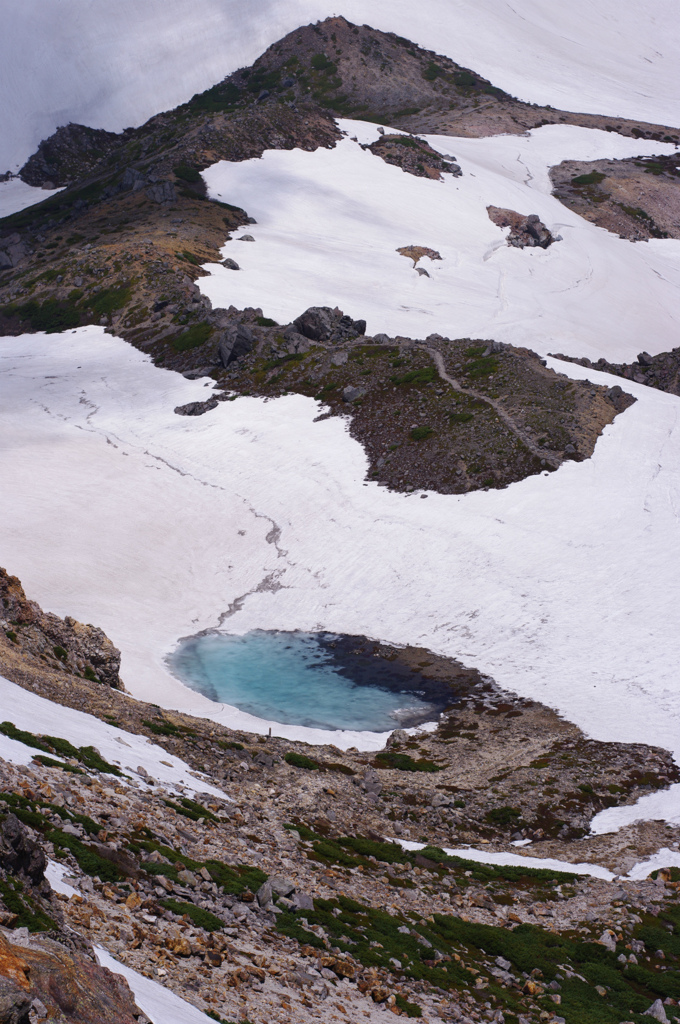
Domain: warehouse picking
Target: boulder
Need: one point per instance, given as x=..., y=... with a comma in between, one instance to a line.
x=657, y=1011
x=351, y=394
x=315, y=323
x=644, y=359
x=15, y=1003
x=230, y=264
x=132, y=180
x=608, y=939
x=19, y=854
x=236, y=341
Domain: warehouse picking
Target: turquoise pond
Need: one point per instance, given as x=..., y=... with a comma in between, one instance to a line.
x=317, y=680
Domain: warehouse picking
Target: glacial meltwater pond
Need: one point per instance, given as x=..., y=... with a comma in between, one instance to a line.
x=316, y=680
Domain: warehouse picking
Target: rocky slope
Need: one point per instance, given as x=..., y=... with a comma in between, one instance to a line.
x=62, y=644
x=285, y=901
x=438, y=414
x=636, y=199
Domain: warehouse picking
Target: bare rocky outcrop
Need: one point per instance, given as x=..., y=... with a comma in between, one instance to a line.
x=70, y=645
x=42, y=975
x=636, y=198
x=525, y=231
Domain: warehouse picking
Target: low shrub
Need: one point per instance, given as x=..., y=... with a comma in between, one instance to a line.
x=193, y=337
x=593, y=178
x=301, y=761
x=404, y=762
x=201, y=918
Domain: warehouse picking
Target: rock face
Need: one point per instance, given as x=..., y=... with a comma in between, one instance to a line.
x=19, y=854
x=236, y=341
x=525, y=232
x=79, y=649
x=321, y=323
x=68, y=985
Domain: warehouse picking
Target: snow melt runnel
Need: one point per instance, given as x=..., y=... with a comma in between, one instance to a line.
x=127, y=750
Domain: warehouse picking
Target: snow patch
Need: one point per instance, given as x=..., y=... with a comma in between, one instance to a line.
x=516, y=860
x=127, y=750
x=159, y=1004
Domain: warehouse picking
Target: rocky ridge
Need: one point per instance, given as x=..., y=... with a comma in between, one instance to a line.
x=62, y=644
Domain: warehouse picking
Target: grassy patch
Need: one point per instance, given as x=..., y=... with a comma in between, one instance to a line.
x=191, y=809
x=187, y=173
x=56, y=745
x=421, y=433
x=18, y=902
x=426, y=375
x=593, y=178
x=51, y=316
x=195, y=336
x=201, y=918
x=404, y=762
x=109, y=299
x=301, y=761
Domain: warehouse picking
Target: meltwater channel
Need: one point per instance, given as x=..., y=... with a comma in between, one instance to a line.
x=317, y=680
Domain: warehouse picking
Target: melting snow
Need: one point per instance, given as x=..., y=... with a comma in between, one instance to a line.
x=128, y=751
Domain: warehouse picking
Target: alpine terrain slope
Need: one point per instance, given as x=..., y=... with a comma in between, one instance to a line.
x=340, y=370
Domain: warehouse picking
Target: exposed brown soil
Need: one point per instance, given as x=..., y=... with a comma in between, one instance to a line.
x=636, y=199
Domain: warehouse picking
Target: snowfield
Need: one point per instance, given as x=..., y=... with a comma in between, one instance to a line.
x=329, y=223
x=114, y=65
x=563, y=587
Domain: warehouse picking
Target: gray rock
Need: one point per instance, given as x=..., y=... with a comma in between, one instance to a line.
x=19, y=854
x=132, y=180
x=303, y=901
x=422, y=272
x=236, y=341
x=657, y=1011
x=339, y=358
x=351, y=394
x=246, y=238
x=608, y=939
x=230, y=264
x=14, y=1003
x=644, y=359
x=280, y=885
x=315, y=323
x=187, y=878
x=637, y=945
x=5, y=260
x=162, y=192
x=371, y=782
